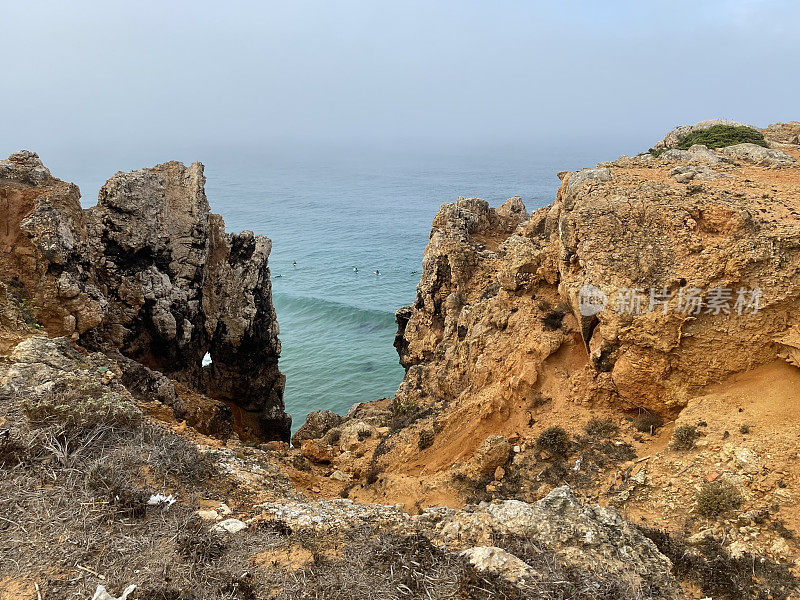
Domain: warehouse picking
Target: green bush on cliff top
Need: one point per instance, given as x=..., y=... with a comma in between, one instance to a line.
x=720, y=136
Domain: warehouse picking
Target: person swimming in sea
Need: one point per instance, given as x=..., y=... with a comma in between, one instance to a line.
x=377, y=272
x=355, y=269
x=276, y=276
x=294, y=264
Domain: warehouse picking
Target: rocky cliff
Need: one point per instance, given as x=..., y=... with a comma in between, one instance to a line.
x=636, y=340
x=148, y=272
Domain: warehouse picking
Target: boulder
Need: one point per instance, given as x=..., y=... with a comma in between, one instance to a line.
x=499, y=562
x=783, y=133
x=317, y=452
x=758, y=155
x=317, y=424
x=231, y=526
x=565, y=533
x=492, y=454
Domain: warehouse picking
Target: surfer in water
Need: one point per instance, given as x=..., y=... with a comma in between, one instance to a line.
x=355, y=269
x=294, y=264
x=377, y=272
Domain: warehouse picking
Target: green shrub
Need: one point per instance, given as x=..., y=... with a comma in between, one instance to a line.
x=29, y=310
x=717, y=498
x=74, y=406
x=601, y=428
x=720, y=136
x=554, y=440
x=683, y=438
x=403, y=413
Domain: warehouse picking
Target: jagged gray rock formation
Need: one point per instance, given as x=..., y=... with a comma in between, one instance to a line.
x=150, y=272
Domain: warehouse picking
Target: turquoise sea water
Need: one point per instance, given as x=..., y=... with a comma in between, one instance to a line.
x=331, y=211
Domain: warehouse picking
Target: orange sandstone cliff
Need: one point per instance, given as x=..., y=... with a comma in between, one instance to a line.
x=657, y=291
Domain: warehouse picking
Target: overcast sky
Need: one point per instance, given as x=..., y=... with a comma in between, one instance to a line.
x=114, y=75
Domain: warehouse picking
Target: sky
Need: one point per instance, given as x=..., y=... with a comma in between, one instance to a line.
x=118, y=78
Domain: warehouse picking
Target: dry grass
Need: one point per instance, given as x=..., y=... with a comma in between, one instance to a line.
x=719, y=575
x=76, y=473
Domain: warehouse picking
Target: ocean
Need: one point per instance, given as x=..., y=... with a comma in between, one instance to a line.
x=338, y=216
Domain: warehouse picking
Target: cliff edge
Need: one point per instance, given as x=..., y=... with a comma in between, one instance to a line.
x=149, y=273
x=635, y=340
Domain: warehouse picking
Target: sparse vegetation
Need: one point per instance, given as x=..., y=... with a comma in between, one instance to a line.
x=527, y=472
x=648, y=422
x=30, y=313
x=601, y=428
x=403, y=413
x=721, y=576
x=473, y=490
x=684, y=437
x=554, y=440
x=562, y=582
x=77, y=469
x=426, y=437
x=176, y=456
x=718, y=498
x=744, y=429
x=75, y=406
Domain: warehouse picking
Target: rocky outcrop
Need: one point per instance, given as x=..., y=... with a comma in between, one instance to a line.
x=317, y=424
x=674, y=137
x=783, y=133
x=565, y=533
x=647, y=284
x=758, y=155
x=149, y=272
x=496, y=300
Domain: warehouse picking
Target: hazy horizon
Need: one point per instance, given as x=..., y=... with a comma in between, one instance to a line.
x=90, y=82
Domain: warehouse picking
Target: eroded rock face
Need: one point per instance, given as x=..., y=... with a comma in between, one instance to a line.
x=149, y=271
x=496, y=300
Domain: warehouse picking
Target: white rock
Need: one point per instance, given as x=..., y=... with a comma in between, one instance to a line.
x=232, y=526
x=340, y=475
x=496, y=560
x=209, y=516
